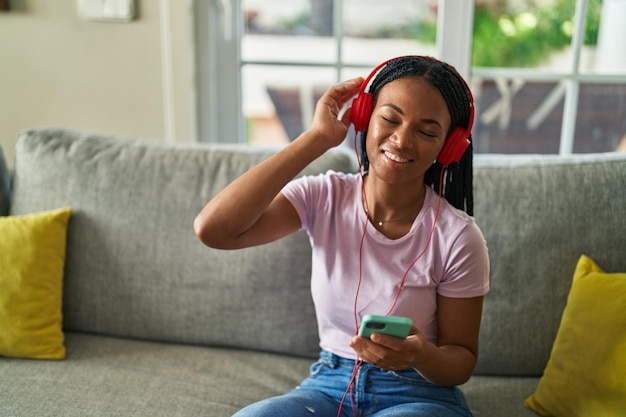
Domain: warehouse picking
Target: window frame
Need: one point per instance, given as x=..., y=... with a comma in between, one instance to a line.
x=219, y=28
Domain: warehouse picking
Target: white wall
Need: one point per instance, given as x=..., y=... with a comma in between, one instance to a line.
x=58, y=70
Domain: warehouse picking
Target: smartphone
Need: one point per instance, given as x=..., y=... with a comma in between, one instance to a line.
x=390, y=325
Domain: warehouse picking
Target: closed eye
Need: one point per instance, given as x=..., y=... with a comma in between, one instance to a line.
x=388, y=120
x=427, y=134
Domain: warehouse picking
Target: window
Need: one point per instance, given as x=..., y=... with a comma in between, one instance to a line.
x=549, y=76
x=546, y=74
x=292, y=50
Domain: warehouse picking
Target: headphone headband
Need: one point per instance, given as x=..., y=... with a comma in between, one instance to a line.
x=457, y=141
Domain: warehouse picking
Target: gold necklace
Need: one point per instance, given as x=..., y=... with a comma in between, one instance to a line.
x=382, y=222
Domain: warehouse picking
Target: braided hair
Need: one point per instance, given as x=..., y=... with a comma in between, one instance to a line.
x=457, y=187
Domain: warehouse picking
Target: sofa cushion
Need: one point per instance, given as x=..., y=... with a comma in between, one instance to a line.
x=32, y=255
x=539, y=214
x=499, y=396
x=107, y=376
x=585, y=375
x=5, y=186
x=134, y=265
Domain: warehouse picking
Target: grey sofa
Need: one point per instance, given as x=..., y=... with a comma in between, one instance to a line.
x=158, y=325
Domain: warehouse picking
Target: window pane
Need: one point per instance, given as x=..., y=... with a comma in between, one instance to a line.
x=517, y=116
x=278, y=101
x=601, y=125
x=523, y=34
x=288, y=30
x=375, y=31
x=525, y=76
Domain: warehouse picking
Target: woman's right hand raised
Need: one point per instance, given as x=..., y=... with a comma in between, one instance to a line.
x=251, y=210
x=325, y=124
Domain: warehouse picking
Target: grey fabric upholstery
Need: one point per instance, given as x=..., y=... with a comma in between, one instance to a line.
x=105, y=376
x=134, y=266
x=539, y=214
x=158, y=325
x=499, y=396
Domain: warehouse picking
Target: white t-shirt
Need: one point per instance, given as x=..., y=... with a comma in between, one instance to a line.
x=455, y=263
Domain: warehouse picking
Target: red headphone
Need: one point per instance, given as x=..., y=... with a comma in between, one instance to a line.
x=456, y=143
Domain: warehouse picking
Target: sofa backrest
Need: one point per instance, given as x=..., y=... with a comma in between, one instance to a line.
x=134, y=266
x=539, y=214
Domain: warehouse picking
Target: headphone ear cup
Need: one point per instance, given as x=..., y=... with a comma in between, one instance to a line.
x=361, y=111
x=455, y=146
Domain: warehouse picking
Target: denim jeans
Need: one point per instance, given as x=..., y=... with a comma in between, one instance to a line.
x=375, y=393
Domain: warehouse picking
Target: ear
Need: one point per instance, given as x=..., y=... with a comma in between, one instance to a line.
x=362, y=107
x=455, y=146
x=363, y=104
x=459, y=140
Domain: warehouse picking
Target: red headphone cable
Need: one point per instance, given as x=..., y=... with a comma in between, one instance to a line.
x=358, y=362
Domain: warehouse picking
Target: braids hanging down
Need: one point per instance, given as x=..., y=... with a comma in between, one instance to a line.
x=457, y=187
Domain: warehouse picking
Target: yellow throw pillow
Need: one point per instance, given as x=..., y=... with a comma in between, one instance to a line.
x=32, y=257
x=586, y=373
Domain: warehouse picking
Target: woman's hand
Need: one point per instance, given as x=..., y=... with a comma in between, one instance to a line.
x=450, y=362
x=325, y=124
x=389, y=352
x=251, y=211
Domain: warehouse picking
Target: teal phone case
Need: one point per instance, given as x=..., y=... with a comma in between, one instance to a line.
x=390, y=325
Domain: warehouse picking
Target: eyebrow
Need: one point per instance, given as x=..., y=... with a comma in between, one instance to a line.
x=399, y=110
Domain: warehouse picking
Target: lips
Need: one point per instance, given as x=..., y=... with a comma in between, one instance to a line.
x=396, y=158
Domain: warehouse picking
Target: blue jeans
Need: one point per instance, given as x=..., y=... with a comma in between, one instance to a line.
x=375, y=393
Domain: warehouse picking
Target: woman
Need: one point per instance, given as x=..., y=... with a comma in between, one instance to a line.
x=384, y=242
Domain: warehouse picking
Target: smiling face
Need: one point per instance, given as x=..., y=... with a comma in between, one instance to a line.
x=407, y=129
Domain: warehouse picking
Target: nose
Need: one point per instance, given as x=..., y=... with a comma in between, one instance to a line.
x=402, y=137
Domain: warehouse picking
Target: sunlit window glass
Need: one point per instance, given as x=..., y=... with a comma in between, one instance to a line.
x=292, y=50
x=542, y=69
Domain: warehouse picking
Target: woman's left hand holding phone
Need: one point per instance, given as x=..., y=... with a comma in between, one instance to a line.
x=389, y=352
